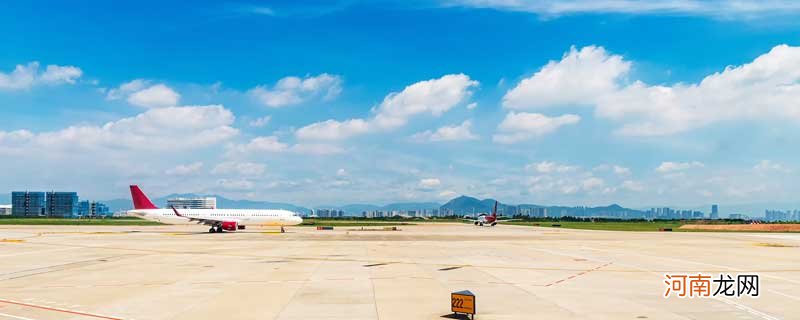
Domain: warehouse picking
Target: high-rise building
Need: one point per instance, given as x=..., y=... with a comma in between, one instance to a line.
x=27, y=204
x=714, y=211
x=92, y=209
x=62, y=204
x=193, y=203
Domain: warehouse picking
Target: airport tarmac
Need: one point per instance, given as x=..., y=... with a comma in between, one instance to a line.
x=182, y=272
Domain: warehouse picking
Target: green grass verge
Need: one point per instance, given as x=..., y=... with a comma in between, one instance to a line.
x=606, y=225
x=126, y=221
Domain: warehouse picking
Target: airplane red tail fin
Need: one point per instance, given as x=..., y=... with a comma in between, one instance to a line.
x=140, y=201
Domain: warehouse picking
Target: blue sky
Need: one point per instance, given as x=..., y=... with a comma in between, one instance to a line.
x=572, y=102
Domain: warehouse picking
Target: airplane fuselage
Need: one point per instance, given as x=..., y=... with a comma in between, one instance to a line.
x=269, y=217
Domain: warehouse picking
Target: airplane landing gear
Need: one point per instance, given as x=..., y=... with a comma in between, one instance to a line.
x=283, y=230
x=212, y=230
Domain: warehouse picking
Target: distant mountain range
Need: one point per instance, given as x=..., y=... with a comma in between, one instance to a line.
x=463, y=205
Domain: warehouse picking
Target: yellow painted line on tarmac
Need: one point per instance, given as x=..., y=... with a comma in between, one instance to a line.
x=12, y=240
x=774, y=245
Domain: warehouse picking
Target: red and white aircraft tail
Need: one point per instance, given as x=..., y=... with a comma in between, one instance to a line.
x=485, y=220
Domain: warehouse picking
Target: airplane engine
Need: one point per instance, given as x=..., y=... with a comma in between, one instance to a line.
x=230, y=226
x=494, y=224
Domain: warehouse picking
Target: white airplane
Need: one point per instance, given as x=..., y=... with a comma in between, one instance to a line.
x=220, y=220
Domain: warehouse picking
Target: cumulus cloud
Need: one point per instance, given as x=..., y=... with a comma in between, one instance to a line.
x=319, y=149
x=622, y=171
x=766, y=166
x=517, y=127
x=746, y=9
x=632, y=185
x=429, y=183
x=260, y=122
x=125, y=89
x=460, y=132
x=155, y=129
x=271, y=144
x=156, y=96
x=447, y=194
x=184, y=169
x=668, y=166
x=766, y=88
x=261, y=144
x=333, y=130
x=295, y=90
x=592, y=183
x=26, y=76
x=235, y=184
x=550, y=167
x=434, y=97
x=249, y=169
x=578, y=78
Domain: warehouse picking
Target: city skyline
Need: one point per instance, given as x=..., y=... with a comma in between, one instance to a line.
x=305, y=104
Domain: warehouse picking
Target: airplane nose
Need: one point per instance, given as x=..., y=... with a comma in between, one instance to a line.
x=297, y=220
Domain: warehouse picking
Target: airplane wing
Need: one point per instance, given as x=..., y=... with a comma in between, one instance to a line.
x=203, y=220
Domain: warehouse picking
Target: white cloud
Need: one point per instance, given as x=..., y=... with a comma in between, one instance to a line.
x=260, y=144
x=155, y=129
x=766, y=88
x=295, y=90
x=669, y=166
x=434, y=96
x=249, y=169
x=523, y=126
x=26, y=76
x=316, y=149
x=272, y=144
x=126, y=89
x=631, y=185
x=333, y=130
x=550, y=167
x=765, y=166
x=235, y=184
x=746, y=9
x=592, y=183
x=447, y=194
x=578, y=78
x=460, y=132
x=429, y=183
x=472, y=106
x=185, y=169
x=622, y=171
x=156, y=96
x=341, y=172
x=260, y=122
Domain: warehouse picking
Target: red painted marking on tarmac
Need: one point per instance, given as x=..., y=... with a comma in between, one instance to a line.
x=579, y=274
x=59, y=310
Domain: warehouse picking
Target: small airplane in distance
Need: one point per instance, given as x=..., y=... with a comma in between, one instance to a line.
x=485, y=220
x=220, y=220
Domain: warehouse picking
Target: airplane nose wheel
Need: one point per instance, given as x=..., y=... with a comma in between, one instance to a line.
x=212, y=230
x=283, y=230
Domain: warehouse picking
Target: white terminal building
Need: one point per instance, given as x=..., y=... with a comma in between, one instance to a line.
x=5, y=209
x=193, y=203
